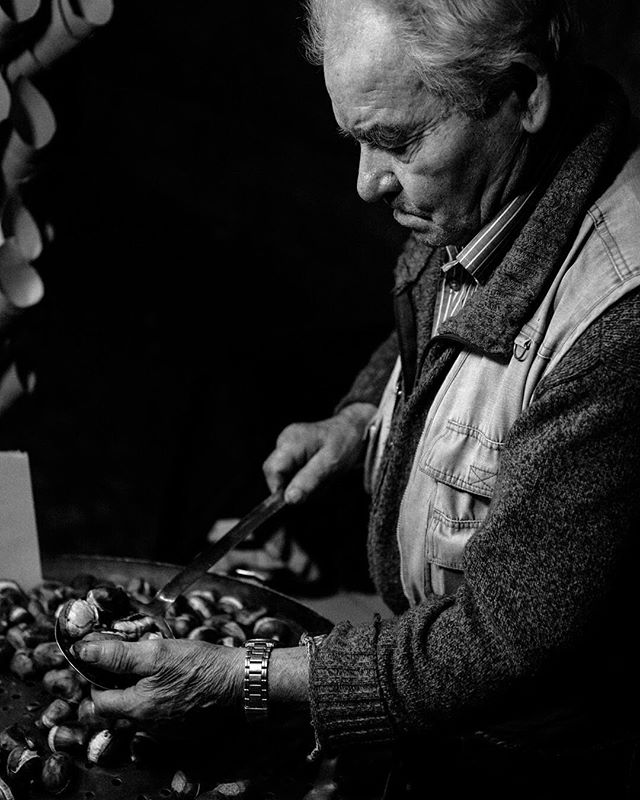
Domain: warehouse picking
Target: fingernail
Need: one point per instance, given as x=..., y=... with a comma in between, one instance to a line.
x=86, y=652
x=293, y=496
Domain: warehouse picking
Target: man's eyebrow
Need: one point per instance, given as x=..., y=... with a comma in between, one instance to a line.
x=384, y=136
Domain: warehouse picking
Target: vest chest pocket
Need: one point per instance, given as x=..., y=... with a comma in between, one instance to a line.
x=463, y=462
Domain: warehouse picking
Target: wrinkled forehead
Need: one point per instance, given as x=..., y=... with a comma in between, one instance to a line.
x=362, y=48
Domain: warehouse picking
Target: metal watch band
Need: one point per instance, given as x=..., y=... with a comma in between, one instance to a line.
x=256, y=690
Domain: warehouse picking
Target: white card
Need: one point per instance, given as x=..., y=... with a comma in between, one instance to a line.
x=19, y=547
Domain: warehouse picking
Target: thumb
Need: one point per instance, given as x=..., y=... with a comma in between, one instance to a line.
x=136, y=658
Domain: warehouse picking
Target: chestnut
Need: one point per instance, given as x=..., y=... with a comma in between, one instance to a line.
x=17, y=615
x=65, y=738
x=229, y=604
x=104, y=636
x=88, y=716
x=110, y=602
x=204, y=634
x=57, y=773
x=273, y=628
x=141, y=589
x=22, y=665
x=25, y=636
x=235, y=790
x=48, y=656
x=78, y=617
x=184, y=787
x=134, y=626
x=204, y=607
x=57, y=711
x=12, y=737
x=248, y=617
x=23, y=763
x=183, y=624
x=101, y=747
x=49, y=595
x=235, y=631
x=63, y=683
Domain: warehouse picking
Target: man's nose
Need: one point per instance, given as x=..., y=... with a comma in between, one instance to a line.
x=376, y=177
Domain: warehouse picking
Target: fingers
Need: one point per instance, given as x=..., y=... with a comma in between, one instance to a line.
x=293, y=448
x=315, y=472
x=135, y=658
x=115, y=703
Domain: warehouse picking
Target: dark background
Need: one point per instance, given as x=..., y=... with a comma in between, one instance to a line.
x=214, y=276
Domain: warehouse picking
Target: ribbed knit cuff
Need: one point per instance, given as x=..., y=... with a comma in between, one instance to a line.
x=346, y=704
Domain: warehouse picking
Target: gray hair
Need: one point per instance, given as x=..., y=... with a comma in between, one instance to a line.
x=466, y=51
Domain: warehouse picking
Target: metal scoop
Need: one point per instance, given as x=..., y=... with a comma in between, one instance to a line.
x=165, y=597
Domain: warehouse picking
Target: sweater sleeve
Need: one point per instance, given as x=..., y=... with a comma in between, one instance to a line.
x=370, y=381
x=542, y=574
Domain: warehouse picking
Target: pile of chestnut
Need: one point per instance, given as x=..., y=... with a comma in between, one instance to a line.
x=92, y=610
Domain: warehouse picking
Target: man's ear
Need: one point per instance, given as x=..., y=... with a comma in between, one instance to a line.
x=533, y=88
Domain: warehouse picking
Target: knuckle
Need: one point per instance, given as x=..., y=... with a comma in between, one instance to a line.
x=292, y=434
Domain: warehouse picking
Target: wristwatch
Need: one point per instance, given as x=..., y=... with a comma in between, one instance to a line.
x=256, y=689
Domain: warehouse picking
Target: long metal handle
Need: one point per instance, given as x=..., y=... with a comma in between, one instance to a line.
x=214, y=552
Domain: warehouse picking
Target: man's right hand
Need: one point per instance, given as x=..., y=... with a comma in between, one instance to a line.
x=308, y=454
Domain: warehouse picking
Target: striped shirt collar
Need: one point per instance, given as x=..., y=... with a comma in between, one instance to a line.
x=477, y=256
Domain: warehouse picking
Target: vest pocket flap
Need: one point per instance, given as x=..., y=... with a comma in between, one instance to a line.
x=464, y=457
x=447, y=538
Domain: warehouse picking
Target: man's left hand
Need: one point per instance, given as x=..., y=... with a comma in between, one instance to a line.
x=175, y=677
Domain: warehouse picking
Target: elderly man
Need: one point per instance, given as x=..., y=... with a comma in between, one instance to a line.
x=502, y=417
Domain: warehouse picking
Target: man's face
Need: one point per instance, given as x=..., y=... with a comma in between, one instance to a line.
x=444, y=175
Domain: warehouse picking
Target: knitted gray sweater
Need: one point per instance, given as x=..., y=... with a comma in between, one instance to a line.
x=548, y=578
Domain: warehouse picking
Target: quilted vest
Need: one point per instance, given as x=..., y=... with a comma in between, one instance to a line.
x=457, y=460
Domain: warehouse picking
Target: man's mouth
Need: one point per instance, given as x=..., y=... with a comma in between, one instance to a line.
x=411, y=219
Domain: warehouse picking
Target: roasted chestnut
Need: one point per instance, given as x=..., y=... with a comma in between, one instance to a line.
x=57, y=773
x=237, y=790
x=49, y=595
x=183, y=624
x=22, y=665
x=276, y=629
x=184, y=787
x=102, y=747
x=141, y=589
x=229, y=604
x=56, y=712
x=110, y=602
x=201, y=605
x=48, y=656
x=248, y=617
x=66, y=738
x=88, y=716
x=63, y=683
x=77, y=618
x=204, y=634
x=134, y=626
x=25, y=636
x=23, y=763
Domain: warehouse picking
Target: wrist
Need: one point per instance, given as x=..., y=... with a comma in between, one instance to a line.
x=359, y=415
x=289, y=676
